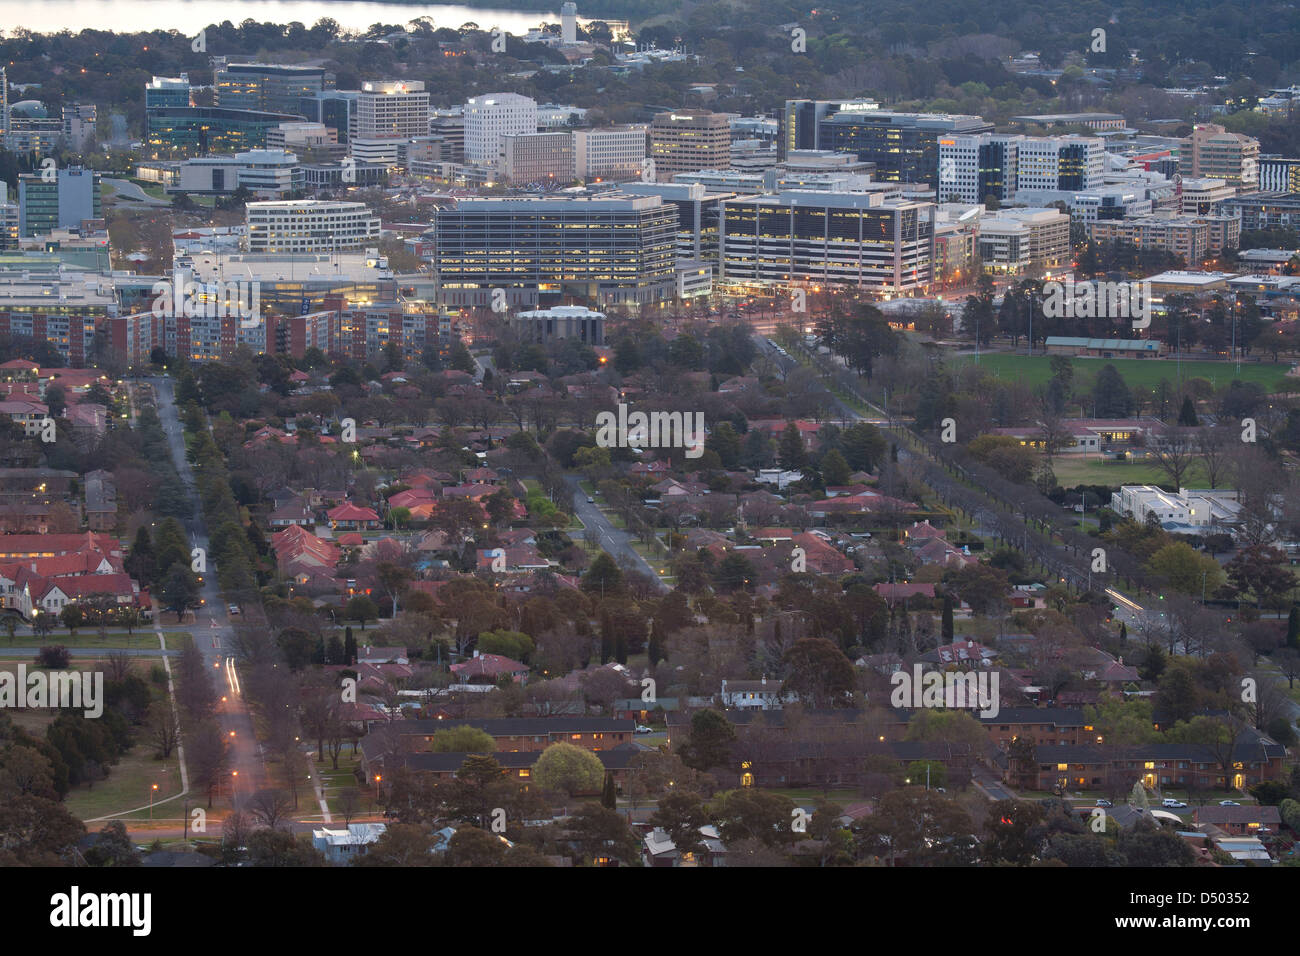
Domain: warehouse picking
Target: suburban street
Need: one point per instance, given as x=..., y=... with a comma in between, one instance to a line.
x=606, y=536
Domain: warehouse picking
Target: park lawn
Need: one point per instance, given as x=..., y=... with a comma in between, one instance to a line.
x=809, y=795
x=89, y=639
x=127, y=787
x=1071, y=470
x=1036, y=370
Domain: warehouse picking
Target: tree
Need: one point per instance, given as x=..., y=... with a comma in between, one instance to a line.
x=470, y=846
x=818, y=673
x=72, y=617
x=1264, y=572
x=162, y=729
x=754, y=814
x=568, y=769
x=1012, y=831
x=1111, y=395
x=402, y=844
x=1187, y=414
x=790, y=449
x=361, y=609
x=114, y=847
x=603, y=577
x=710, y=741
x=1186, y=569
x=269, y=807
x=1175, y=453
x=462, y=739
x=599, y=831
x=206, y=754
x=680, y=815
x=608, y=795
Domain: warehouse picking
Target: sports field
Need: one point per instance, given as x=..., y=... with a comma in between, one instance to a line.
x=1036, y=370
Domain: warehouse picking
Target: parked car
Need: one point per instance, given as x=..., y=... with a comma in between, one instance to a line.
x=1229, y=803
x=590, y=500
x=1104, y=803
x=643, y=729
x=233, y=609
x=1172, y=804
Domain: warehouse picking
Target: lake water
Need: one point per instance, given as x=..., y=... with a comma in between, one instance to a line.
x=190, y=16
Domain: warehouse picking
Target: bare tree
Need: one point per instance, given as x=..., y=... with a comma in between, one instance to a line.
x=348, y=804
x=269, y=807
x=119, y=665
x=162, y=729
x=1214, y=448
x=1175, y=453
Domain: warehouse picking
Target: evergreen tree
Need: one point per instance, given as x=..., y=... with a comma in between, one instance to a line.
x=349, y=647
x=606, y=636
x=655, y=648
x=1187, y=414
x=1293, y=628
x=1123, y=632
x=947, y=619
x=608, y=796
x=620, y=648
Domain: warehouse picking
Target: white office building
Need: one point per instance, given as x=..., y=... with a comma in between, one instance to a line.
x=614, y=153
x=976, y=166
x=311, y=225
x=488, y=118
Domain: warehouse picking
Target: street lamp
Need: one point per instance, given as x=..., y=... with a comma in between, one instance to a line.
x=152, y=791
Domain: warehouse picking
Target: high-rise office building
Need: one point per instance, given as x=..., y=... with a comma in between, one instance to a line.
x=904, y=146
x=801, y=121
x=544, y=159
x=1212, y=152
x=611, y=153
x=1278, y=175
x=310, y=225
x=268, y=87
x=973, y=169
x=856, y=239
x=60, y=201
x=392, y=109
x=166, y=92
x=610, y=248
x=688, y=141
x=488, y=118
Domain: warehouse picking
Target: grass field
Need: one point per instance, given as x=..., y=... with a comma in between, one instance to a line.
x=128, y=786
x=1036, y=370
x=88, y=639
x=1074, y=470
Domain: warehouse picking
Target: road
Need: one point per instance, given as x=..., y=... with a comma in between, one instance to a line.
x=130, y=192
x=608, y=537
x=212, y=628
